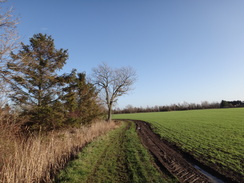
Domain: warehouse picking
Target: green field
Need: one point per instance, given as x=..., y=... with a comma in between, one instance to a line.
x=214, y=137
x=115, y=157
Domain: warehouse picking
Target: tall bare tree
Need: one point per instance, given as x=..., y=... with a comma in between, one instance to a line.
x=8, y=43
x=113, y=83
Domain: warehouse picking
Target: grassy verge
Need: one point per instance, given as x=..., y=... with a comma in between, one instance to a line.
x=115, y=157
x=214, y=137
x=38, y=158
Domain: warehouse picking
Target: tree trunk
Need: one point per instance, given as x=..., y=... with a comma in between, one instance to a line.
x=109, y=113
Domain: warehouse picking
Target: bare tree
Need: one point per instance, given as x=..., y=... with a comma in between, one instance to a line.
x=113, y=83
x=8, y=43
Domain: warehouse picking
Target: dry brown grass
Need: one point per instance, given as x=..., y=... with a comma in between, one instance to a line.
x=38, y=158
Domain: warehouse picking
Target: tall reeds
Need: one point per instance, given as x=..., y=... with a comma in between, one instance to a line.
x=39, y=157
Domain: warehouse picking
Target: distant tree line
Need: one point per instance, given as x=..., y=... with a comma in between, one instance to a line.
x=230, y=104
x=180, y=107
x=173, y=107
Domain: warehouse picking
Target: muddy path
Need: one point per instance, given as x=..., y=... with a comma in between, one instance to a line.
x=168, y=158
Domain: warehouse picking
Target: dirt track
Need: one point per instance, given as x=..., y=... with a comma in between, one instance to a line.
x=168, y=158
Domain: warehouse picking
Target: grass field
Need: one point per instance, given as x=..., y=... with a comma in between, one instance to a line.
x=214, y=137
x=115, y=157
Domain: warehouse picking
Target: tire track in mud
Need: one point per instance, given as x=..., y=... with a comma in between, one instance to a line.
x=167, y=158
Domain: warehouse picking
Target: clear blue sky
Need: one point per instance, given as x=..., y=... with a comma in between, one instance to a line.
x=191, y=50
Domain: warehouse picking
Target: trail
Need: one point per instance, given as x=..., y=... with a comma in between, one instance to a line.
x=168, y=158
x=118, y=142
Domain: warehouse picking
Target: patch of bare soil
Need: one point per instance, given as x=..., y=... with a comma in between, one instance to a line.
x=169, y=158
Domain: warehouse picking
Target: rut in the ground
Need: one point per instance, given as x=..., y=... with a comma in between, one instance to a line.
x=168, y=157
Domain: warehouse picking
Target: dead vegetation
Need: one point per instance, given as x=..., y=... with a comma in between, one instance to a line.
x=39, y=157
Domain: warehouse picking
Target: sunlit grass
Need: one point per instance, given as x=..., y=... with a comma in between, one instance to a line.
x=115, y=157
